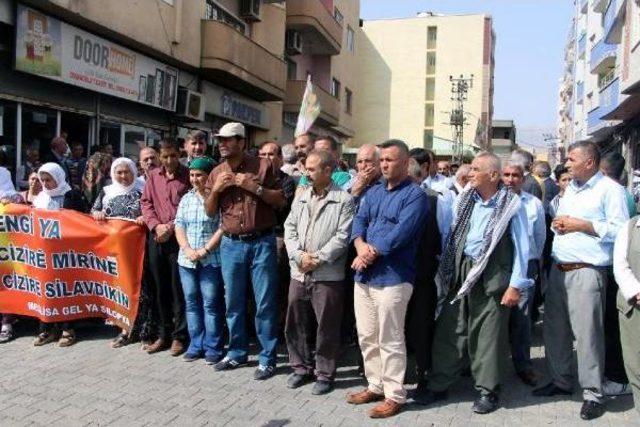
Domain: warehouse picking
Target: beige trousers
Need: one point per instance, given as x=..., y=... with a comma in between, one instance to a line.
x=380, y=313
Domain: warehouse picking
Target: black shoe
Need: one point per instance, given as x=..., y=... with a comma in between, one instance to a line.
x=191, y=357
x=528, y=377
x=591, y=410
x=550, y=390
x=227, y=364
x=485, y=404
x=424, y=396
x=264, y=372
x=322, y=387
x=212, y=360
x=296, y=380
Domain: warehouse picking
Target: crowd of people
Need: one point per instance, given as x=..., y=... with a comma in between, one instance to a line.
x=448, y=264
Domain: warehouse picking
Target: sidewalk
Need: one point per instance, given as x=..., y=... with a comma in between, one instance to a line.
x=92, y=384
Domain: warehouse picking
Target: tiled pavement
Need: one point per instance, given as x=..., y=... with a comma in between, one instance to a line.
x=92, y=384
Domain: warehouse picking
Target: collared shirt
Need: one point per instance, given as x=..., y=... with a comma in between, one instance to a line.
x=314, y=203
x=536, y=224
x=627, y=281
x=342, y=179
x=480, y=216
x=600, y=201
x=438, y=182
x=162, y=195
x=391, y=221
x=243, y=212
x=198, y=227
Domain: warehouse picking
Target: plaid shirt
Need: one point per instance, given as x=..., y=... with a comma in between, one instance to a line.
x=198, y=227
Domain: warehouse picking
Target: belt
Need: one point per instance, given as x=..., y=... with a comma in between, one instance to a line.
x=573, y=266
x=249, y=236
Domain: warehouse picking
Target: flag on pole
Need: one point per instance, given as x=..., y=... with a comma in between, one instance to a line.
x=309, y=110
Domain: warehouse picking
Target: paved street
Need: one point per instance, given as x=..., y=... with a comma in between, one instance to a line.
x=92, y=384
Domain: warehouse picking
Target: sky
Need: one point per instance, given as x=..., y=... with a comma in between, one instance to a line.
x=531, y=36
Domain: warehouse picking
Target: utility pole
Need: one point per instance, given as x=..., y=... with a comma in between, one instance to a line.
x=459, y=88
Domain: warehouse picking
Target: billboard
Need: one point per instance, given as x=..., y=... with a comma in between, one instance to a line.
x=53, y=49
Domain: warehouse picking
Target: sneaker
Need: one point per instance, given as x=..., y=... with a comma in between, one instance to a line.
x=227, y=364
x=212, y=360
x=612, y=388
x=191, y=357
x=264, y=372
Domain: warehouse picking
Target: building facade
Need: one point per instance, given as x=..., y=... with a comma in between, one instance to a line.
x=130, y=73
x=405, y=89
x=321, y=43
x=605, y=103
x=503, y=138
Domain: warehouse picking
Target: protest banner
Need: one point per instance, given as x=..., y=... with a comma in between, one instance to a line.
x=62, y=265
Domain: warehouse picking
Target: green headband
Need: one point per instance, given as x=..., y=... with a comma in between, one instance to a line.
x=202, y=163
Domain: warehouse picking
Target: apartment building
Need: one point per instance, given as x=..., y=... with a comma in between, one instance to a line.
x=321, y=43
x=605, y=105
x=129, y=73
x=405, y=89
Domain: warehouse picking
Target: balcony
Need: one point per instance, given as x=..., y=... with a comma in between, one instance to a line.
x=614, y=22
x=580, y=92
x=329, y=105
x=582, y=45
x=608, y=101
x=599, y=6
x=231, y=58
x=321, y=33
x=603, y=56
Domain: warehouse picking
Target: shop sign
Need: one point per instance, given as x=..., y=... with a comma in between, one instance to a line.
x=53, y=49
x=230, y=105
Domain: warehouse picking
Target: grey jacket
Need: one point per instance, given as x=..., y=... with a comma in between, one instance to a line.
x=330, y=239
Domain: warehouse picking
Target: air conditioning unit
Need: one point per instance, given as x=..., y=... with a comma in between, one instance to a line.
x=293, y=42
x=250, y=10
x=190, y=105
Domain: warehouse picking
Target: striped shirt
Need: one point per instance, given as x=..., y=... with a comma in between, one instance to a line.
x=199, y=228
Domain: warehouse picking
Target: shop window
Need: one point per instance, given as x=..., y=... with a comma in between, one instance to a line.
x=77, y=128
x=8, y=134
x=38, y=129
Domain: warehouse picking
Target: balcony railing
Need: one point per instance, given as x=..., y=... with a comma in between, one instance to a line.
x=582, y=45
x=599, y=6
x=608, y=101
x=603, y=56
x=613, y=22
x=318, y=25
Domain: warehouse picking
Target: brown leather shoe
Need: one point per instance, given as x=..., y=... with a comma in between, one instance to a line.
x=177, y=348
x=386, y=409
x=158, y=345
x=364, y=396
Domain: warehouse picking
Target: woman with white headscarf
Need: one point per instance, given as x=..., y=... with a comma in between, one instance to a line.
x=56, y=194
x=121, y=199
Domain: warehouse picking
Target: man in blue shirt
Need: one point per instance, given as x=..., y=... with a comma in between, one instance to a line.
x=481, y=275
x=590, y=214
x=384, y=233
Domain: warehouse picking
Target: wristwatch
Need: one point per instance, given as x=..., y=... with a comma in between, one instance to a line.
x=259, y=190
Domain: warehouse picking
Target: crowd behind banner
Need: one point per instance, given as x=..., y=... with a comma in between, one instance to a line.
x=403, y=256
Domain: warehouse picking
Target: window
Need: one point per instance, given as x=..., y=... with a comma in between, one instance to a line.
x=431, y=89
x=351, y=36
x=432, y=37
x=216, y=12
x=292, y=69
x=338, y=16
x=335, y=88
x=431, y=63
x=428, y=115
x=428, y=138
x=348, y=100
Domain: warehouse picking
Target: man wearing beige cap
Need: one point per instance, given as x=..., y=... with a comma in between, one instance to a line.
x=246, y=192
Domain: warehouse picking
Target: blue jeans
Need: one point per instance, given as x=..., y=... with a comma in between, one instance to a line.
x=204, y=300
x=257, y=257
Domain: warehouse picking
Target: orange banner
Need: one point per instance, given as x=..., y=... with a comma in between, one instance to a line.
x=63, y=265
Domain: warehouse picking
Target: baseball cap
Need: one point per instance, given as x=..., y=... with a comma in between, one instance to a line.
x=231, y=129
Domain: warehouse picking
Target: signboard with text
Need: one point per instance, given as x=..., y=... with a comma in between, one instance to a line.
x=53, y=49
x=62, y=265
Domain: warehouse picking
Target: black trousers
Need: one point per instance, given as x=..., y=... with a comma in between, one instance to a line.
x=420, y=324
x=613, y=362
x=163, y=263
